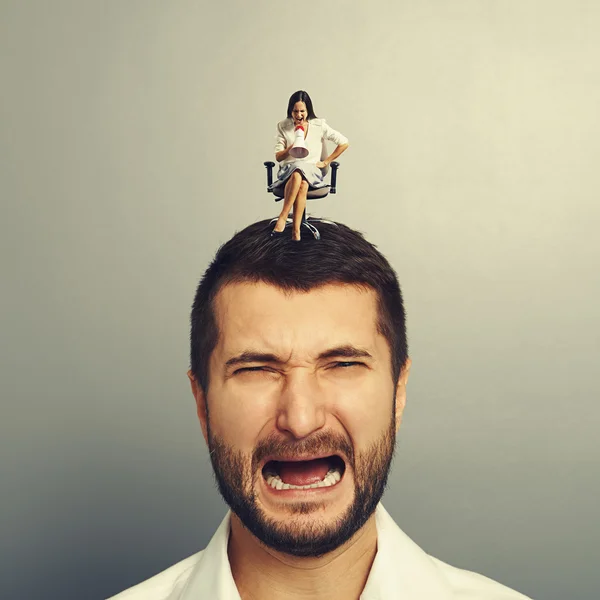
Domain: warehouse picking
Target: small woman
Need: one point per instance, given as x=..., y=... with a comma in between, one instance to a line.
x=297, y=176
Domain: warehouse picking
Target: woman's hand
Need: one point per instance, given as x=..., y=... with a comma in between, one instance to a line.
x=322, y=164
x=283, y=154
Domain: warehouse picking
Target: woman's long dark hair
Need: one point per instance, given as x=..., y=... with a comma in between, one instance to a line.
x=301, y=96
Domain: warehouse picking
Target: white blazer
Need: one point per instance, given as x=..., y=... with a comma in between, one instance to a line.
x=401, y=570
x=317, y=136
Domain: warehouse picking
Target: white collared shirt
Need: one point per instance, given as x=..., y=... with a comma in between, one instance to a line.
x=400, y=570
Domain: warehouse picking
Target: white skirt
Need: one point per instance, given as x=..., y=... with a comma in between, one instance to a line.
x=309, y=171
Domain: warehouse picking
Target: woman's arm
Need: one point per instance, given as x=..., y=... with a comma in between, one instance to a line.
x=281, y=151
x=325, y=163
x=337, y=138
x=283, y=154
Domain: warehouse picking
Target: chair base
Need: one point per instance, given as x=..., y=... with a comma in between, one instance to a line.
x=305, y=224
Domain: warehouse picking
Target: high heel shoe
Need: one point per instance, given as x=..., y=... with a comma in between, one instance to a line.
x=277, y=233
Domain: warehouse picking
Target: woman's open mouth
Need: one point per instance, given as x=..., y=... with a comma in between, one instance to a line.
x=304, y=474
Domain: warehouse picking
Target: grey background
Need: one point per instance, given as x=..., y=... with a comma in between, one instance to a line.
x=133, y=136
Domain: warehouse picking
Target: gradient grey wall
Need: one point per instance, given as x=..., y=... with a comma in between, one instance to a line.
x=133, y=136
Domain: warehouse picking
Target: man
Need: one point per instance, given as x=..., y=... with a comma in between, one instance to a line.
x=299, y=367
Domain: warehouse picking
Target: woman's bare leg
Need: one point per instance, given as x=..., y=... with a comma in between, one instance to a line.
x=299, y=207
x=291, y=191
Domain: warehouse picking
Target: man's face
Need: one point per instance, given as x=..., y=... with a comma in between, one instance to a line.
x=301, y=416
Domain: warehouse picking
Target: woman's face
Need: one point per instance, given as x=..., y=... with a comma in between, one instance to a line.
x=299, y=113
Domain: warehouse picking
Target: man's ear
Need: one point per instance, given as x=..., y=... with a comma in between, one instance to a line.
x=201, y=408
x=401, y=392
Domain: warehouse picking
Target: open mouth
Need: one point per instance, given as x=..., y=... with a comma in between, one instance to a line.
x=304, y=474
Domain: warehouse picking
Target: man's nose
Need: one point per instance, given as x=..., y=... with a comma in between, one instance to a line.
x=301, y=409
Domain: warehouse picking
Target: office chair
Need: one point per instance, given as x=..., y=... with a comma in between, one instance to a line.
x=312, y=195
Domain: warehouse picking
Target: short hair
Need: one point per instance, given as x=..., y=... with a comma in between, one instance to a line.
x=341, y=256
x=301, y=96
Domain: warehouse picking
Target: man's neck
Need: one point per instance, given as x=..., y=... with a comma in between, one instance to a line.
x=260, y=572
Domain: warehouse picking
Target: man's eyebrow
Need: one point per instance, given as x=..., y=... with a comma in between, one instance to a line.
x=347, y=351
x=250, y=356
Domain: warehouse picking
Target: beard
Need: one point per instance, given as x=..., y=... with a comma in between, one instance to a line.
x=236, y=474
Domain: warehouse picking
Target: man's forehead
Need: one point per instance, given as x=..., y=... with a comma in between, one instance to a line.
x=252, y=296
x=265, y=314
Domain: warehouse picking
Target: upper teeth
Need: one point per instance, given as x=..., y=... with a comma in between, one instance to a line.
x=332, y=477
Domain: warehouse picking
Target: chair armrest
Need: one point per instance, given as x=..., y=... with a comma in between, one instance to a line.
x=334, y=167
x=269, y=166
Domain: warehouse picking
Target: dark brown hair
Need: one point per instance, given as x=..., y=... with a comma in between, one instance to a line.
x=342, y=255
x=301, y=96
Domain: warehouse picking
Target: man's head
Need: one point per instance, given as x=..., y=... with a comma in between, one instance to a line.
x=299, y=365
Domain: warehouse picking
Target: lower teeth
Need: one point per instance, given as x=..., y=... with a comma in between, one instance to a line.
x=332, y=477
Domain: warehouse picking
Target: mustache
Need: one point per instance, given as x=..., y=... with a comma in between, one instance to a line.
x=319, y=443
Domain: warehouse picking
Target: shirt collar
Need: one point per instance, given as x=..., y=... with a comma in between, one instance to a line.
x=212, y=577
x=400, y=570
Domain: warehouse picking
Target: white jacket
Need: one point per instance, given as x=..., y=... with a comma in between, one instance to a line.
x=317, y=136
